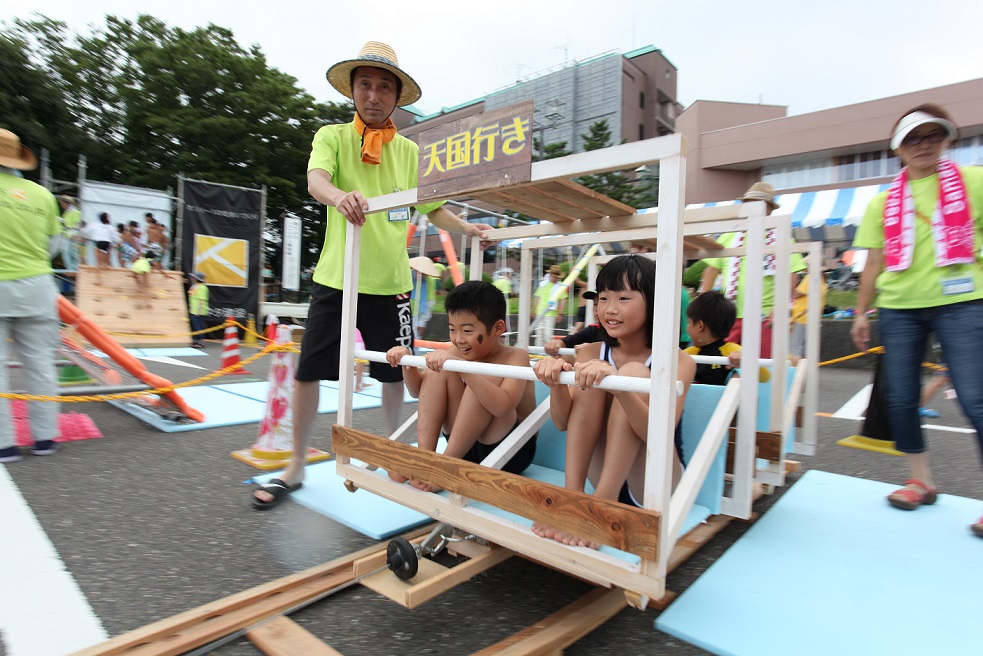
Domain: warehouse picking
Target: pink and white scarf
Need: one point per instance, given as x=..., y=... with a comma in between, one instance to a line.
x=953, y=231
x=734, y=264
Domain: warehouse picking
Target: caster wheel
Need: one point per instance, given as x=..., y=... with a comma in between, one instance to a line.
x=402, y=559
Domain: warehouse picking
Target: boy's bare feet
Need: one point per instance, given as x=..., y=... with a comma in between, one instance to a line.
x=563, y=537
x=425, y=487
x=396, y=477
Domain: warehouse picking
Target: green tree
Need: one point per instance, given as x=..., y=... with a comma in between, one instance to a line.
x=619, y=185
x=154, y=101
x=35, y=108
x=552, y=150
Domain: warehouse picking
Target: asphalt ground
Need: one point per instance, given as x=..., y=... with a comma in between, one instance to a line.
x=152, y=524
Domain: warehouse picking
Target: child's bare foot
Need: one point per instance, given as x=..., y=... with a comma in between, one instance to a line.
x=563, y=537
x=396, y=477
x=423, y=486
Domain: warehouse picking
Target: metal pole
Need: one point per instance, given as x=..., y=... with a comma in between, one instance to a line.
x=178, y=234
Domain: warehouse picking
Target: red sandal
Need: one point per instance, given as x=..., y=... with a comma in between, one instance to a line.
x=909, y=498
x=977, y=528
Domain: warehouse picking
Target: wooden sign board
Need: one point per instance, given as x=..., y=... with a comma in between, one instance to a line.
x=486, y=151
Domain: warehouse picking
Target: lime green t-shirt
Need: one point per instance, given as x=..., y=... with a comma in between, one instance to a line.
x=921, y=284
x=28, y=219
x=198, y=296
x=504, y=285
x=795, y=264
x=384, y=266
x=71, y=218
x=542, y=298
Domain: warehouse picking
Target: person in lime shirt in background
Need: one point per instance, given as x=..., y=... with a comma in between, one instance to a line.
x=426, y=289
x=198, y=307
x=71, y=220
x=141, y=269
x=547, y=323
x=799, y=319
x=28, y=318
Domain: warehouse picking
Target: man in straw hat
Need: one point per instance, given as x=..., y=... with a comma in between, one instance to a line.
x=546, y=328
x=731, y=270
x=29, y=215
x=350, y=163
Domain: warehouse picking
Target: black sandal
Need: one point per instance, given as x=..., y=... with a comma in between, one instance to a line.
x=278, y=489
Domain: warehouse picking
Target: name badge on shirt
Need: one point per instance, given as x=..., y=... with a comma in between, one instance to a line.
x=957, y=286
x=399, y=214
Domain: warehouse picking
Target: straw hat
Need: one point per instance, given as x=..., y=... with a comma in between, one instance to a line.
x=761, y=191
x=13, y=154
x=379, y=55
x=556, y=270
x=913, y=120
x=425, y=266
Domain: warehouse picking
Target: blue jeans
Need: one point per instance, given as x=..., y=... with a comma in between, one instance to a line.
x=197, y=323
x=959, y=329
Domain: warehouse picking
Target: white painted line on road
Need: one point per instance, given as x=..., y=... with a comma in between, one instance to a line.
x=855, y=407
x=951, y=429
x=169, y=360
x=42, y=610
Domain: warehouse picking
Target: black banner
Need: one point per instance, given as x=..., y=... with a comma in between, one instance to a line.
x=221, y=235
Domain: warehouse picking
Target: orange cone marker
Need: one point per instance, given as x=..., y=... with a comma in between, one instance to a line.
x=230, y=349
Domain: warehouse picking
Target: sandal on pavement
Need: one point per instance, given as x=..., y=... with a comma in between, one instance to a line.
x=914, y=494
x=277, y=489
x=977, y=528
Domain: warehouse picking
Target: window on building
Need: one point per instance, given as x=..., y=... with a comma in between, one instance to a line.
x=641, y=131
x=641, y=99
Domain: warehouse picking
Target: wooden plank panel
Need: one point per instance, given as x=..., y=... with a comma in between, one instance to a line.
x=118, y=306
x=563, y=628
x=529, y=208
x=578, y=194
x=169, y=630
x=284, y=637
x=768, y=447
x=558, y=200
x=629, y=529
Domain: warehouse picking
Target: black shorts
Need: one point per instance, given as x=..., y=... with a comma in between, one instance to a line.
x=384, y=321
x=103, y=246
x=626, y=497
x=516, y=465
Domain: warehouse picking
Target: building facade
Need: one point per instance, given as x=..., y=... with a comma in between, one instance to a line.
x=732, y=145
x=635, y=92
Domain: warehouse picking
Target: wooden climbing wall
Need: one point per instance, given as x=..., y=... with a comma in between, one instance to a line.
x=112, y=300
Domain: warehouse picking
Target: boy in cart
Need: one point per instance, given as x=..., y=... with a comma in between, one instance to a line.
x=474, y=412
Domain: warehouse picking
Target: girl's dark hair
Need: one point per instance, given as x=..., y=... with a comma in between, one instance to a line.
x=629, y=272
x=104, y=217
x=120, y=227
x=480, y=298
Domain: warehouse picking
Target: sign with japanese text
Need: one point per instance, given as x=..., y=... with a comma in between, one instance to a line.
x=489, y=150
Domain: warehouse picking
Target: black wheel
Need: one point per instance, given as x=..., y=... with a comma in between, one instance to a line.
x=401, y=558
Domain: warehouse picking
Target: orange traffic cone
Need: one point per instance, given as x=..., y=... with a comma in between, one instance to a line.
x=230, y=349
x=272, y=321
x=274, y=447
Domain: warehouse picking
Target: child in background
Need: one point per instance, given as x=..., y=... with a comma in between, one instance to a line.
x=141, y=269
x=710, y=318
x=800, y=320
x=198, y=307
x=607, y=430
x=474, y=412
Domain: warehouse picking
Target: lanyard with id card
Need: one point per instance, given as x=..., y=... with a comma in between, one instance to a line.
x=400, y=213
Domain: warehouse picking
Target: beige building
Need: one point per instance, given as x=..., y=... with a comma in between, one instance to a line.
x=732, y=145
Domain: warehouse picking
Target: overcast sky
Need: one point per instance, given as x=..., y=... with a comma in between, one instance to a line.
x=806, y=55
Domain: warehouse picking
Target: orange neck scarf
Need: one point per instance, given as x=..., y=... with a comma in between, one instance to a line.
x=373, y=139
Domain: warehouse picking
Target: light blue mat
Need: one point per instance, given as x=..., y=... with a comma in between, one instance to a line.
x=832, y=569
x=324, y=492
x=231, y=404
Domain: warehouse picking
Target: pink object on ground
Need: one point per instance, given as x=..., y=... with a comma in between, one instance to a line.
x=72, y=426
